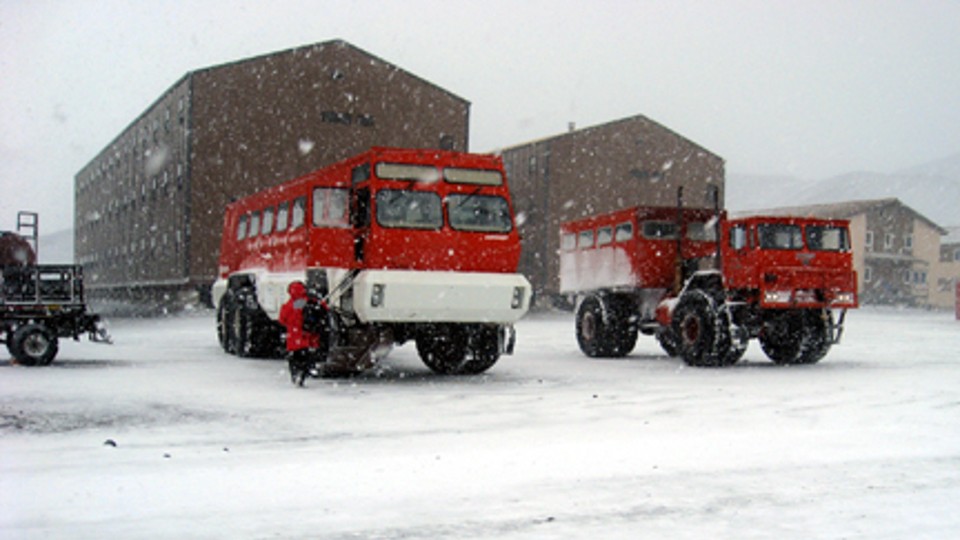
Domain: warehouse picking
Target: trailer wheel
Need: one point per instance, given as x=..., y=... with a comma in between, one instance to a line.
x=703, y=332
x=782, y=337
x=33, y=345
x=443, y=348
x=592, y=333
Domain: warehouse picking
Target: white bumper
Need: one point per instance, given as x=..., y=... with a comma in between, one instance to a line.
x=413, y=296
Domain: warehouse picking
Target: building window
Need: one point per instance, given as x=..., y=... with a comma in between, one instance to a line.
x=888, y=241
x=868, y=274
x=868, y=241
x=908, y=242
x=906, y=276
x=956, y=255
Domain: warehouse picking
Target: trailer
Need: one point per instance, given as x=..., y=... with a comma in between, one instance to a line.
x=398, y=244
x=704, y=284
x=40, y=303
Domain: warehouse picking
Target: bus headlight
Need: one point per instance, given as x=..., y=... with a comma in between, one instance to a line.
x=376, y=294
x=843, y=298
x=517, y=301
x=777, y=297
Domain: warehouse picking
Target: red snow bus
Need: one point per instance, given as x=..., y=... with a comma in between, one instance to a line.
x=401, y=244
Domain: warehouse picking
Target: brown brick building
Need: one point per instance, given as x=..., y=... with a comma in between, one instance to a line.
x=149, y=207
x=629, y=162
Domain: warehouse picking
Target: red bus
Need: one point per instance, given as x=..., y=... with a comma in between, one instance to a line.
x=403, y=244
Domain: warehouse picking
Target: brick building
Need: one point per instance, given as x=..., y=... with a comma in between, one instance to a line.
x=149, y=206
x=628, y=162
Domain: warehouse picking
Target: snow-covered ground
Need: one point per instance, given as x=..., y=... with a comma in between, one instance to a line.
x=548, y=444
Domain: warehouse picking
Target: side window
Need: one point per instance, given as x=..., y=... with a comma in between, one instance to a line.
x=585, y=240
x=267, y=226
x=738, y=237
x=624, y=232
x=604, y=236
x=254, y=224
x=298, y=215
x=330, y=207
x=283, y=215
x=242, y=227
x=568, y=241
x=659, y=230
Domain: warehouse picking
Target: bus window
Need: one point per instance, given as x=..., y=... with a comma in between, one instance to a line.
x=242, y=227
x=330, y=207
x=624, y=232
x=659, y=230
x=409, y=209
x=473, y=176
x=568, y=241
x=267, y=225
x=360, y=173
x=780, y=236
x=824, y=238
x=400, y=171
x=484, y=213
x=254, y=225
x=299, y=213
x=585, y=240
x=604, y=236
x=282, y=216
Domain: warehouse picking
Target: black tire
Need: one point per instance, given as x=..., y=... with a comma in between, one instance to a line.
x=592, y=331
x=622, y=326
x=483, y=349
x=33, y=345
x=816, y=336
x=703, y=332
x=782, y=336
x=223, y=318
x=443, y=348
x=669, y=341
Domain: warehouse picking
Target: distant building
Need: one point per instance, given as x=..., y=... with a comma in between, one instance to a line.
x=629, y=162
x=947, y=272
x=896, y=250
x=149, y=206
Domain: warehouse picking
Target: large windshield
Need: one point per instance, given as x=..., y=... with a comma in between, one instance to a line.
x=409, y=209
x=776, y=236
x=824, y=238
x=486, y=213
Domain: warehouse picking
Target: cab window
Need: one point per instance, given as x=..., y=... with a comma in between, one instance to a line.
x=824, y=238
x=299, y=213
x=484, y=213
x=409, y=209
x=780, y=236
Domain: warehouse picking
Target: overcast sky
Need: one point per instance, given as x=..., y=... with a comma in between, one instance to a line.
x=806, y=87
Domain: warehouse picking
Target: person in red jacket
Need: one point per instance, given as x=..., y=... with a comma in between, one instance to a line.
x=302, y=345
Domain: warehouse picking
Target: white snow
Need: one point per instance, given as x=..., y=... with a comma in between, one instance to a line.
x=548, y=444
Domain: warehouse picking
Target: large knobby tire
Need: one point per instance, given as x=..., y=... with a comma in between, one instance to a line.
x=669, y=341
x=795, y=337
x=622, y=326
x=592, y=331
x=34, y=345
x=816, y=336
x=703, y=332
x=484, y=346
x=224, y=315
x=443, y=348
x=782, y=336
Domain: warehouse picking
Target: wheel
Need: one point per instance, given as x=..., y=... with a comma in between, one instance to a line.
x=622, y=326
x=224, y=329
x=782, y=337
x=33, y=345
x=443, y=348
x=703, y=332
x=592, y=332
x=816, y=336
x=796, y=337
x=483, y=349
x=669, y=341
